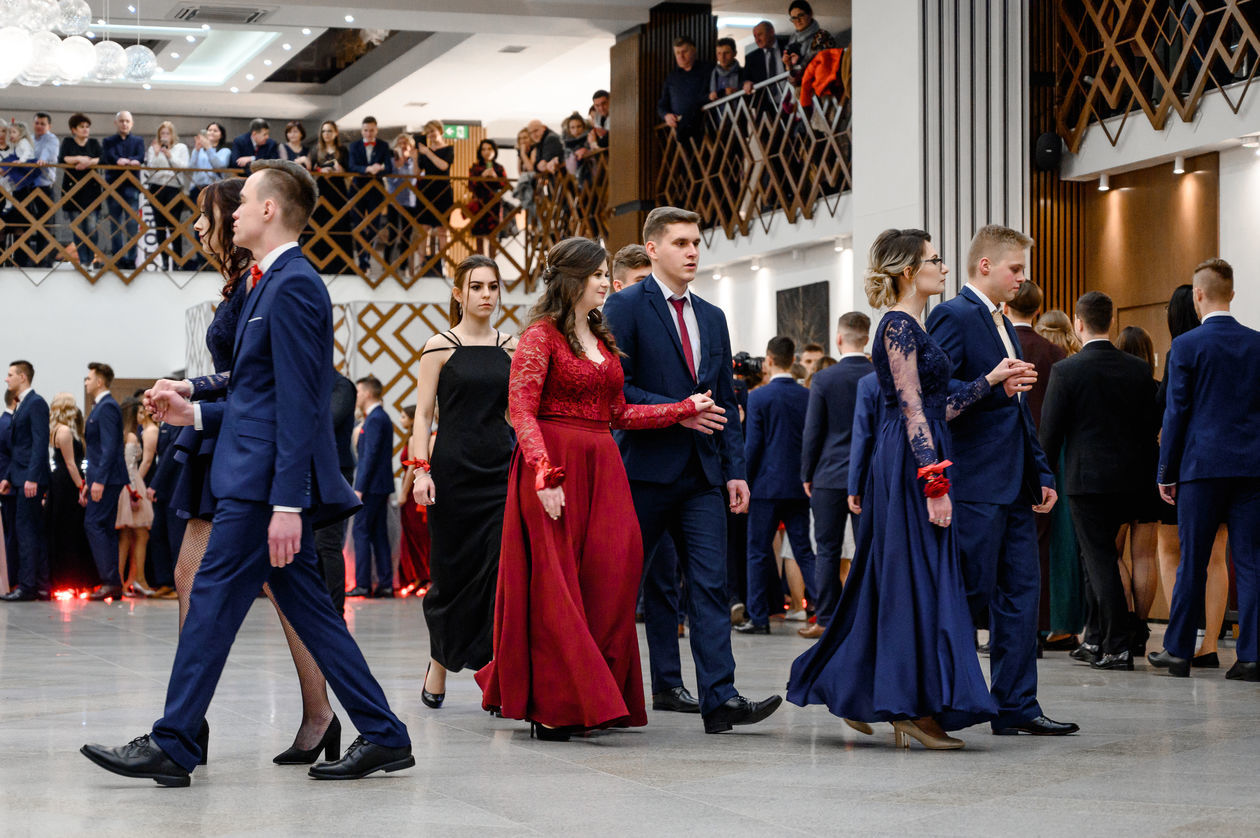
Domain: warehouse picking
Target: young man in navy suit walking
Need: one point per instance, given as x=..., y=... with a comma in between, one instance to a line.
x=27, y=479
x=106, y=478
x=374, y=484
x=8, y=499
x=1209, y=466
x=1000, y=477
x=772, y=450
x=825, y=460
x=684, y=478
x=276, y=476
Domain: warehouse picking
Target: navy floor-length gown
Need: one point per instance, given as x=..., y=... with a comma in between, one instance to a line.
x=901, y=644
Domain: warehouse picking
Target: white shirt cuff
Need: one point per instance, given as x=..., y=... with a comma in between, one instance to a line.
x=297, y=509
x=197, y=417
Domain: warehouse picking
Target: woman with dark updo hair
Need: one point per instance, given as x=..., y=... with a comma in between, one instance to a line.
x=566, y=654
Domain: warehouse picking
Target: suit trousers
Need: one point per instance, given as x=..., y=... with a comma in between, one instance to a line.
x=330, y=542
x=371, y=538
x=32, y=573
x=1097, y=519
x=764, y=517
x=98, y=523
x=235, y=566
x=8, y=517
x=693, y=511
x=1202, y=506
x=998, y=548
x=831, y=513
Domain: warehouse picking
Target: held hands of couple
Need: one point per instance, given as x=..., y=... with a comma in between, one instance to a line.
x=709, y=415
x=1014, y=375
x=168, y=401
x=1048, y=498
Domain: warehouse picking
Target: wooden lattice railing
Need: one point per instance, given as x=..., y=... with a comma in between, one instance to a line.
x=1115, y=58
x=757, y=153
x=361, y=225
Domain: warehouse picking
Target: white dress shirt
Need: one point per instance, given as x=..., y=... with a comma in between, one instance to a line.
x=1222, y=313
x=689, y=318
x=844, y=355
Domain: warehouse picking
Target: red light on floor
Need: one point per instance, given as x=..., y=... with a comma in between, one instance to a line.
x=108, y=600
x=83, y=594
x=422, y=590
x=63, y=595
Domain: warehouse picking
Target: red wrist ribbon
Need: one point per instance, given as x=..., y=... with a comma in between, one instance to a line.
x=935, y=483
x=135, y=496
x=548, y=477
x=420, y=464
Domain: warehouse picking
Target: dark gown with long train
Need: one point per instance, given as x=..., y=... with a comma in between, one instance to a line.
x=566, y=652
x=469, y=467
x=69, y=558
x=901, y=644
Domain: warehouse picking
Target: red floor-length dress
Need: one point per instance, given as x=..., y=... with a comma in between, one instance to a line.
x=565, y=648
x=413, y=547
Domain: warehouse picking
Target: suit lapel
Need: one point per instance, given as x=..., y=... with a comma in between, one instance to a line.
x=656, y=299
x=704, y=333
x=987, y=317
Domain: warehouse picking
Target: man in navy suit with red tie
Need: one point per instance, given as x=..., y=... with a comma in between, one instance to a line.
x=372, y=160
x=1209, y=466
x=374, y=484
x=276, y=476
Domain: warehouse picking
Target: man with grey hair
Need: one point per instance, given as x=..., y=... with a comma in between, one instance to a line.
x=766, y=61
x=550, y=155
x=123, y=149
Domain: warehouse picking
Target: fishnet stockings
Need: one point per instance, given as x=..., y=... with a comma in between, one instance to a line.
x=316, y=711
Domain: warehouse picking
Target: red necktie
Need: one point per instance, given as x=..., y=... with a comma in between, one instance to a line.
x=677, y=303
x=255, y=274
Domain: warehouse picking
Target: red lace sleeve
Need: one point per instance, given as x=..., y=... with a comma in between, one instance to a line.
x=639, y=417
x=525, y=386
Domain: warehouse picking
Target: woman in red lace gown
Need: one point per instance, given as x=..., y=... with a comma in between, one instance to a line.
x=566, y=654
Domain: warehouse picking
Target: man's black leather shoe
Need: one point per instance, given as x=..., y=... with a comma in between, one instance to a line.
x=358, y=591
x=749, y=627
x=363, y=758
x=1040, y=726
x=1244, y=671
x=383, y=593
x=676, y=700
x=104, y=592
x=19, y=595
x=1119, y=660
x=139, y=758
x=1177, y=667
x=1085, y=653
x=740, y=711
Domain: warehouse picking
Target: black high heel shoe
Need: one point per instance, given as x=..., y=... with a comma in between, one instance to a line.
x=552, y=734
x=203, y=740
x=433, y=700
x=330, y=745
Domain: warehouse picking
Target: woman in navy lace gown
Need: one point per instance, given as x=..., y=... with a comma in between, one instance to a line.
x=901, y=647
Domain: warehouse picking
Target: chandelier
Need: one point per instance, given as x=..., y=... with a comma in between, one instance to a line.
x=36, y=54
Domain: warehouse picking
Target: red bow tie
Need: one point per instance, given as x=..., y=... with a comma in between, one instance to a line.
x=255, y=274
x=369, y=145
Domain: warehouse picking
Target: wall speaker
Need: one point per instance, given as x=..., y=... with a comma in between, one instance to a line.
x=1049, y=152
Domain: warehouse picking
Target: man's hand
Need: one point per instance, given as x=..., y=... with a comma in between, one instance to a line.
x=1168, y=491
x=170, y=408
x=284, y=537
x=671, y=119
x=1020, y=383
x=748, y=87
x=809, y=489
x=738, y=492
x=183, y=389
x=1048, y=497
x=98, y=492
x=5, y=487
x=30, y=488
x=855, y=504
x=152, y=493
x=243, y=162
x=708, y=421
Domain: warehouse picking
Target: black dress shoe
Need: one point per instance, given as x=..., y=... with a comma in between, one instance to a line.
x=363, y=758
x=104, y=592
x=1061, y=644
x=330, y=744
x=383, y=593
x=138, y=758
x=1119, y=660
x=553, y=734
x=749, y=627
x=1085, y=653
x=1040, y=726
x=675, y=700
x=19, y=595
x=358, y=591
x=1244, y=671
x=739, y=711
x=203, y=742
x=1177, y=667
x=1208, y=661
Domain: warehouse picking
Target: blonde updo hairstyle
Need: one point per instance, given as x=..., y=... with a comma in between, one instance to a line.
x=1056, y=327
x=892, y=254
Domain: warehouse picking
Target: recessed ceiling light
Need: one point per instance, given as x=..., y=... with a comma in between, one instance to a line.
x=306, y=31
x=205, y=27
x=192, y=39
x=147, y=86
x=286, y=46
x=90, y=34
x=266, y=62
x=249, y=77
x=174, y=55
x=100, y=21
x=235, y=89
x=131, y=9
x=349, y=18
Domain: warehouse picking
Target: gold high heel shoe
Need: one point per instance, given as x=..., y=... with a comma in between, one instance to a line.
x=905, y=729
x=860, y=727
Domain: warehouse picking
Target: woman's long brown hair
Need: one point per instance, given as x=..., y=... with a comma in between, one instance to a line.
x=225, y=196
x=569, y=265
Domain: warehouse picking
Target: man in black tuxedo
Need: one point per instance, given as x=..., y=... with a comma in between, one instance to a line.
x=1100, y=408
x=825, y=460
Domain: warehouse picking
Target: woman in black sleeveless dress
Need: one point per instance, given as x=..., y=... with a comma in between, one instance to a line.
x=465, y=372
x=69, y=558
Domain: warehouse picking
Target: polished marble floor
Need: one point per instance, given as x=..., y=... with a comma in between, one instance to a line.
x=1156, y=756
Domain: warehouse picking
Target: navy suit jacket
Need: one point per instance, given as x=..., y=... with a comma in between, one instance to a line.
x=243, y=146
x=772, y=447
x=656, y=373
x=374, y=474
x=996, y=454
x=829, y=423
x=1212, y=419
x=28, y=434
x=359, y=159
x=868, y=414
x=6, y=444
x=103, y=443
x=275, y=435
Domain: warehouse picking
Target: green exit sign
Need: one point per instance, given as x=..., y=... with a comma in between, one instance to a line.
x=455, y=132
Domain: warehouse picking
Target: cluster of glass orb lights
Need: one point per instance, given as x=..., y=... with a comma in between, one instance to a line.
x=35, y=54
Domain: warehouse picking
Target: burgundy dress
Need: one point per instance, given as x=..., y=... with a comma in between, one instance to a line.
x=413, y=546
x=565, y=647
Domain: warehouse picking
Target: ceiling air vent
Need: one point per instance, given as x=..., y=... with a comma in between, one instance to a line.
x=416, y=105
x=513, y=49
x=206, y=13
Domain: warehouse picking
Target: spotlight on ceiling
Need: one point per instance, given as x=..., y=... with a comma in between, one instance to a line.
x=234, y=89
x=349, y=18
x=1179, y=165
x=1251, y=141
x=249, y=77
x=1104, y=182
x=717, y=274
x=306, y=30
x=266, y=62
x=286, y=47
x=190, y=38
x=755, y=265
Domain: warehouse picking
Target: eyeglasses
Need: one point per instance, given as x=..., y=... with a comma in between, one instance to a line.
x=798, y=16
x=935, y=260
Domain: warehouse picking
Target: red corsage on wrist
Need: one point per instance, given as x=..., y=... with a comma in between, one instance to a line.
x=548, y=477
x=135, y=496
x=935, y=483
x=423, y=465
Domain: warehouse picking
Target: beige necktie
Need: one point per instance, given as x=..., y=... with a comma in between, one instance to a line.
x=1000, y=322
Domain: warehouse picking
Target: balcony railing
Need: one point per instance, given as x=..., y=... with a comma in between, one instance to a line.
x=757, y=153
x=115, y=220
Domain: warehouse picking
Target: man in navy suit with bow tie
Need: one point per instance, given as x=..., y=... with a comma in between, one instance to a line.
x=276, y=476
x=374, y=484
x=684, y=478
x=1000, y=477
x=27, y=480
x=1209, y=466
x=372, y=160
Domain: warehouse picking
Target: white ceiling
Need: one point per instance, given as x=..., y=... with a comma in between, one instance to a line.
x=458, y=71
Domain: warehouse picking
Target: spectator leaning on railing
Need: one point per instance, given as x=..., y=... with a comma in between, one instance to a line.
x=808, y=40
x=766, y=61
x=727, y=74
x=79, y=153
x=167, y=158
x=123, y=149
x=548, y=148
x=255, y=144
x=686, y=89
x=46, y=146
x=599, y=117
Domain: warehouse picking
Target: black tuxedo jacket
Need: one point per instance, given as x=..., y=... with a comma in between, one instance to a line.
x=1100, y=409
